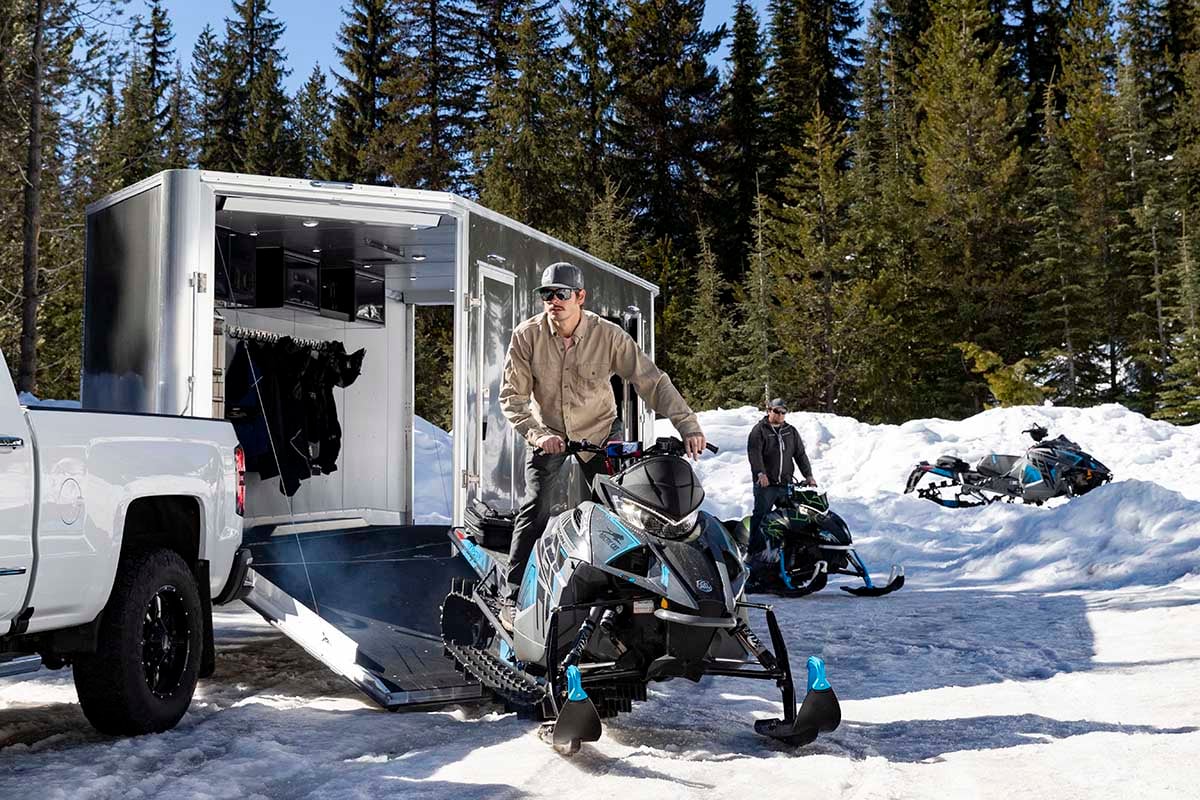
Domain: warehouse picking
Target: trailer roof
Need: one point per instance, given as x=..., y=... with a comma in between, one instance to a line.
x=363, y=194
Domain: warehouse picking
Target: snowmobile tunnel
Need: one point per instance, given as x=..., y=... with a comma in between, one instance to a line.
x=199, y=288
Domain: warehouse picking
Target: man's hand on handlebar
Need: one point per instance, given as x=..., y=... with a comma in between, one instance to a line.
x=694, y=444
x=551, y=444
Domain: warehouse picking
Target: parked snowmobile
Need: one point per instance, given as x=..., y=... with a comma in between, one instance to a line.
x=1050, y=468
x=805, y=543
x=635, y=585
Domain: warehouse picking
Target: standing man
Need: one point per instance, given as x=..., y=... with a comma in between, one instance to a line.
x=772, y=447
x=557, y=386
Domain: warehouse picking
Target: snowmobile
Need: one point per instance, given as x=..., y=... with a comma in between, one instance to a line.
x=1050, y=468
x=636, y=584
x=804, y=543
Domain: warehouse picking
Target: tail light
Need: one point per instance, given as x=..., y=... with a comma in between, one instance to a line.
x=239, y=458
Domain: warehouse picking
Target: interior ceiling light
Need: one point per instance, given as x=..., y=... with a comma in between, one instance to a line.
x=316, y=249
x=312, y=210
x=412, y=277
x=254, y=233
x=310, y=223
x=418, y=256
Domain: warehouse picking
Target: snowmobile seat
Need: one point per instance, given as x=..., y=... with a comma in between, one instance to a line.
x=952, y=463
x=489, y=528
x=995, y=465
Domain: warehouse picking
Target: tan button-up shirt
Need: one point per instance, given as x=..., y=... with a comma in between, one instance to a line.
x=552, y=389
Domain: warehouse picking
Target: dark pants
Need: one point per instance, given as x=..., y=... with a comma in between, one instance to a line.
x=764, y=501
x=546, y=494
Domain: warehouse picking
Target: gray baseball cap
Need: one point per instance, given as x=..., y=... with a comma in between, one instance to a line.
x=777, y=403
x=562, y=275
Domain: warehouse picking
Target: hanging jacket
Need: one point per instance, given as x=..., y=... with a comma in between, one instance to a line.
x=283, y=409
x=773, y=450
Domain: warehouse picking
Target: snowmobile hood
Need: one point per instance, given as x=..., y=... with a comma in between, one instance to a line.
x=663, y=484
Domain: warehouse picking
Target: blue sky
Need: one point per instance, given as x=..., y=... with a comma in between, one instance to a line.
x=312, y=27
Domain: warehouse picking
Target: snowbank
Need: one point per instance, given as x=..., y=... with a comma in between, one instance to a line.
x=1144, y=528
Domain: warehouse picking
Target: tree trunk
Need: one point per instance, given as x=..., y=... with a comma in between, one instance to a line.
x=27, y=374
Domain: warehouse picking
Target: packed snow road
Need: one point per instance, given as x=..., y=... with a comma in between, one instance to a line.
x=1034, y=652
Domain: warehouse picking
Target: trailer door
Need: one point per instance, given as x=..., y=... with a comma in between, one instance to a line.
x=496, y=454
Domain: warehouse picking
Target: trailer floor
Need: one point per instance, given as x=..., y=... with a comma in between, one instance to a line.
x=381, y=586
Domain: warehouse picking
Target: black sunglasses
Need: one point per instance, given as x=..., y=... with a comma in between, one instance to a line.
x=778, y=410
x=549, y=294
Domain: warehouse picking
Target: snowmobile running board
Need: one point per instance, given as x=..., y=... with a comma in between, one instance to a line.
x=359, y=600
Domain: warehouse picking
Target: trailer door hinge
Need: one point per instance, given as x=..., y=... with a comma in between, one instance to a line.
x=474, y=302
x=470, y=479
x=199, y=280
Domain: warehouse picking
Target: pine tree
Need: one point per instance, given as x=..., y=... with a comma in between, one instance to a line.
x=1088, y=82
x=251, y=47
x=313, y=104
x=138, y=143
x=428, y=119
x=369, y=46
x=743, y=141
x=885, y=226
x=157, y=55
x=710, y=335
x=589, y=25
x=272, y=145
x=609, y=230
x=207, y=67
x=810, y=231
x=177, y=145
x=1034, y=38
x=1063, y=305
x=665, y=108
x=969, y=163
x=1179, y=400
x=1180, y=396
x=814, y=56
x=756, y=373
x=525, y=157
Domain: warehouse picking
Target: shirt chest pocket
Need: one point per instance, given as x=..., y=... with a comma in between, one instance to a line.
x=592, y=373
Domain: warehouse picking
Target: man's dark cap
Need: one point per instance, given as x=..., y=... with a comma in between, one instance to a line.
x=777, y=403
x=562, y=275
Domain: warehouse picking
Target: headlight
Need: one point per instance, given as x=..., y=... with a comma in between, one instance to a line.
x=653, y=523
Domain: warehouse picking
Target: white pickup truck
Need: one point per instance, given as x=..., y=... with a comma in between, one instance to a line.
x=118, y=533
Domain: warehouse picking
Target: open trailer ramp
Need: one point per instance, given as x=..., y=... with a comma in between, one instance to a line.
x=365, y=602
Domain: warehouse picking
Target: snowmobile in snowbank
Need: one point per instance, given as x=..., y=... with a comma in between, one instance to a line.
x=636, y=585
x=804, y=543
x=1050, y=468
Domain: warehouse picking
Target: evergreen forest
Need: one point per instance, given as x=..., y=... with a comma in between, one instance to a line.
x=890, y=210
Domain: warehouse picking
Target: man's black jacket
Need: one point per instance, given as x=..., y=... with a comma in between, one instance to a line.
x=773, y=450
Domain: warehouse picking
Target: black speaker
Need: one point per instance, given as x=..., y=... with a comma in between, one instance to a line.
x=270, y=277
x=338, y=298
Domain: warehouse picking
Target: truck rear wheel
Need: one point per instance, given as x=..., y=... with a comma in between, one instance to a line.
x=143, y=674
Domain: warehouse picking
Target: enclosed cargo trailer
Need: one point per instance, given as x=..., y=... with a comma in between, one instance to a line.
x=187, y=267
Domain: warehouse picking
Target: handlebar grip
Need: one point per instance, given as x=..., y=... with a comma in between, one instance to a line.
x=710, y=447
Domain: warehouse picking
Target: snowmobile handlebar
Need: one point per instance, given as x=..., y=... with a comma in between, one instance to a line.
x=663, y=446
x=1037, y=432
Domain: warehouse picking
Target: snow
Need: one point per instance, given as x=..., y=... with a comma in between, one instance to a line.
x=1034, y=652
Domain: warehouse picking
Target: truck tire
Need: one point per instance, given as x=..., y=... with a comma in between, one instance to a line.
x=143, y=673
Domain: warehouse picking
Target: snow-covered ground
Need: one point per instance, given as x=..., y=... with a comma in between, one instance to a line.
x=1034, y=653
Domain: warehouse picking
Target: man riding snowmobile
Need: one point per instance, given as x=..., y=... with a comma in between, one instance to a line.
x=1050, y=468
x=635, y=585
x=568, y=395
